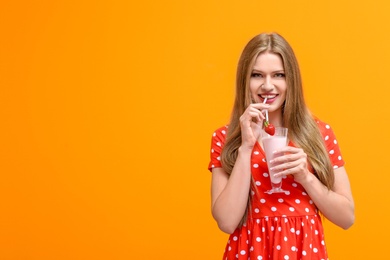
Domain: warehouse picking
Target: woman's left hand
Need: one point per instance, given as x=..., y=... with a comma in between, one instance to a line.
x=291, y=161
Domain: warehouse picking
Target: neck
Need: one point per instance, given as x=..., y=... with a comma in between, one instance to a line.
x=276, y=118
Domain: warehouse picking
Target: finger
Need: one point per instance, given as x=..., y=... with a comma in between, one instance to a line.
x=289, y=150
x=260, y=106
x=299, y=169
x=285, y=172
x=248, y=115
x=285, y=166
x=287, y=157
x=257, y=106
x=256, y=114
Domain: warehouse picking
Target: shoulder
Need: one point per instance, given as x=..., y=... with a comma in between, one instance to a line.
x=331, y=143
x=217, y=143
x=324, y=127
x=219, y=136
x=222, y=131
x=327, y=133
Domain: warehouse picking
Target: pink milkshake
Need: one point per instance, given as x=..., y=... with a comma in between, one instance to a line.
x=272, y=143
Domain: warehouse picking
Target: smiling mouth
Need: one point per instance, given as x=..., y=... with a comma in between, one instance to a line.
x=268, y=96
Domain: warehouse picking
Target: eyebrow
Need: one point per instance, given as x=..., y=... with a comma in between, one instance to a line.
x=276, y=71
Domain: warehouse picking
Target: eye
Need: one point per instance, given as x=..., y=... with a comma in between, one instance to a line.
x=255, y=75
x=280, y=75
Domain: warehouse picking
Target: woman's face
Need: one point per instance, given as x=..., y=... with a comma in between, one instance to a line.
x=268, y=80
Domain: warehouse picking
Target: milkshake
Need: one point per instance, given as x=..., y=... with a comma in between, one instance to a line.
x=272, y=143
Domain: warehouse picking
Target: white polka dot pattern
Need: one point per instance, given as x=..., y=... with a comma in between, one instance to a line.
x=280, y=226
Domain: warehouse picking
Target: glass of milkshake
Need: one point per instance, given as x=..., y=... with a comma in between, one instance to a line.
x=272, y=143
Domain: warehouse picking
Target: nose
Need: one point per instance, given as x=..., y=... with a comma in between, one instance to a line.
x=267, y=84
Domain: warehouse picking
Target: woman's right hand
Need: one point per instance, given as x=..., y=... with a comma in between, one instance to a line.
x=251, y=122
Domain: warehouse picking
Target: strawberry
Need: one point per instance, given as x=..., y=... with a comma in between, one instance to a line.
x=269, y=128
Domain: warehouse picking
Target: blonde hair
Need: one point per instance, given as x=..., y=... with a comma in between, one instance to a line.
x=302, y=128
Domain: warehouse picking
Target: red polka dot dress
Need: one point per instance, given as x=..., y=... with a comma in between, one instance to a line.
x=283, y=225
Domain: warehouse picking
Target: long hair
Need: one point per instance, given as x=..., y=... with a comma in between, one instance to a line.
x=302, y=128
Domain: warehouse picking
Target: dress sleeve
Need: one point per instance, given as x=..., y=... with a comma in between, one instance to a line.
x=331, y=145
x=217, y=142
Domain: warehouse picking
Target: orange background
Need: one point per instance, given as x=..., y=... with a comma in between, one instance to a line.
x=107, y=110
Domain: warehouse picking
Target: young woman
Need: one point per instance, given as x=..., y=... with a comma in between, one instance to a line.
x=280, y=225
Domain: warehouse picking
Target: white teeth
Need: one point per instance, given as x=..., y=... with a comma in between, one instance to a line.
x=269, y=96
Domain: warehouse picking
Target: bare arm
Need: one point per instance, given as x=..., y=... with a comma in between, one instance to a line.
x=229, y=195
x=337, y=204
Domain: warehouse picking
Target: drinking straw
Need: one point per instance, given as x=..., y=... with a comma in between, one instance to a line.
x=266, y=111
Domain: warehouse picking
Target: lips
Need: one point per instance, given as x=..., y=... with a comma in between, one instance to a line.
x=270, y=97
